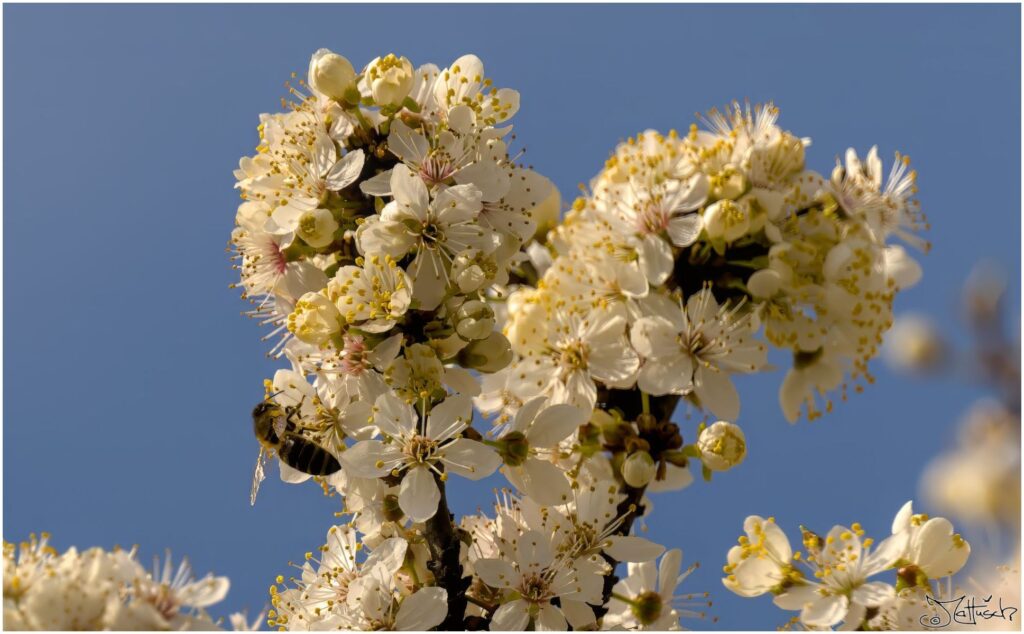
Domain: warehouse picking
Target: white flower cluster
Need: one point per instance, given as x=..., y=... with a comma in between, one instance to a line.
x=345, y=588
x=830, y=582
x=530, y=564
x=378, y=212
x=403, y=256
x=103, y=590
x=689, y=246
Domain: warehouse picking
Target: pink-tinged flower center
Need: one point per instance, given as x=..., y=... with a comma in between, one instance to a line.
x=164, y=601
x=652, y=217
x=436, y=169
x=354, y=360
x=278, y=260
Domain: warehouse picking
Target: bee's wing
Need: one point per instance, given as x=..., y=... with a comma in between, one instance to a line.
x=258, y=475
x=280, y=426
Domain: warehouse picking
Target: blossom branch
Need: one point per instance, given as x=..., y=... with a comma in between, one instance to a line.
x=443, y=542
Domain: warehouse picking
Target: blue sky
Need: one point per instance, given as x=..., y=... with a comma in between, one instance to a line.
x=130, y=373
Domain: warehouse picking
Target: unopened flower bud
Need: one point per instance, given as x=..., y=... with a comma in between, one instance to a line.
x=315, y=319
x=448, y=347
x=764, y=284
x=639, y=469
x=474, y=320
x=390, y=79
x=722, y=446
x=727, y=220
x=469, y=270
x=317, y=227
x=487, y=355
x=331, y=74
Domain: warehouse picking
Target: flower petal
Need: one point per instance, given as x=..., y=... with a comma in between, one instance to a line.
x=513, y=616
x=716, y=392
x=938, y=550
x=419, y=495
x=550, y=619
x=368, y=459
x=873, y=594
x=449, y=417
x=684, y=230
x=346, y=171
x=425, y=609
x=671, y=375
x=470, y=459
x=554, y=424
x=389, y=554
x=205, y=592
x=410, y=193
x=632, y=548
x=668, y=572
x=393, y=416
x=544, y=482
x=825, y=611
x=794, y=598
x=496, y=573
x=534, y=551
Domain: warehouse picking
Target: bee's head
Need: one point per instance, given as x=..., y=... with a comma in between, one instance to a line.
x=263, y=408
x=263, y=419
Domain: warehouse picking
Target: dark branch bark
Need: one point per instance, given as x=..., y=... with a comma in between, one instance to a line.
x=443, y=541
x=629, y=403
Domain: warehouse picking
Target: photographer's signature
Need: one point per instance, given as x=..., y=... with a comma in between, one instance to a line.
x=965, y=610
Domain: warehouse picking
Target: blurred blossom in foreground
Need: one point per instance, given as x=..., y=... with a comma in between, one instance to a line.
x=978, y=478
x=102, y=590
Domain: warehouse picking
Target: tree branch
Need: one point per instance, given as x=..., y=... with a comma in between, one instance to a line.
x=443, y=541
x=629, y=402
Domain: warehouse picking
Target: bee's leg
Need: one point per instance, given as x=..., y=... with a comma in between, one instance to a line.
x=292, y=411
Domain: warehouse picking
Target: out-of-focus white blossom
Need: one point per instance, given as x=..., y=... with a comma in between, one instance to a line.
x=914, y=345
x=102, y=590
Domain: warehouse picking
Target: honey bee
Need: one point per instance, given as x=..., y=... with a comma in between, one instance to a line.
x=279, y=433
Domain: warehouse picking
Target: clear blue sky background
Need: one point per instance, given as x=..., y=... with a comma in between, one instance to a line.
x=130, y=373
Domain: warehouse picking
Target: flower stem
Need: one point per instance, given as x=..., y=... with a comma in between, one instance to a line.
x=626, y=600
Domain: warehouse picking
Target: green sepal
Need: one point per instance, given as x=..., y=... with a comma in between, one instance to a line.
x=410, y=104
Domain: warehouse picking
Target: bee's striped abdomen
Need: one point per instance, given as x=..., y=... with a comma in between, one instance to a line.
x=307, y=456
